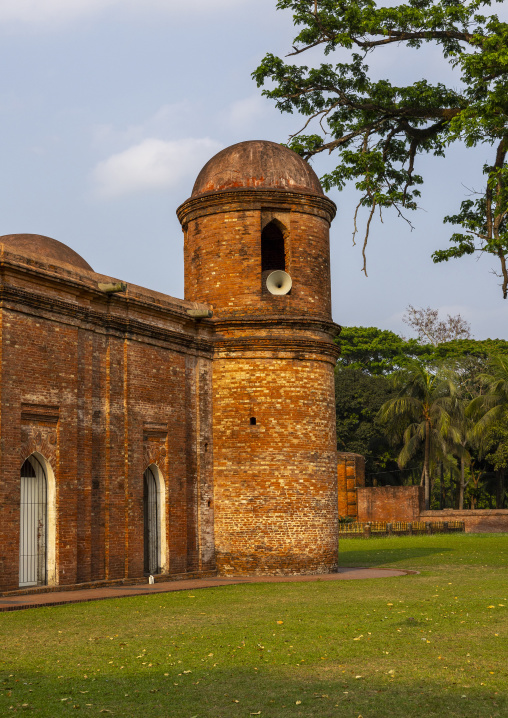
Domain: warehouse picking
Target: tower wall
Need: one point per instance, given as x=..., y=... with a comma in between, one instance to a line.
x=223, y=251
x=275, y=480
x=275, y=500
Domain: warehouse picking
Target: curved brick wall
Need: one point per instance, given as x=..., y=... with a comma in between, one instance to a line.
x=275, y=482
x=223, y=251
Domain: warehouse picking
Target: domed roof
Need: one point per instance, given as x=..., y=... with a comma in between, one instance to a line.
x=257, y=164
x=44, y=248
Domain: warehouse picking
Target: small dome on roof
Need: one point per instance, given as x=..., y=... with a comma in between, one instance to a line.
x=43, y=248
x=257, y=164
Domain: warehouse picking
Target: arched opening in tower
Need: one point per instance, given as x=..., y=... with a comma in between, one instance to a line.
x=273, y=255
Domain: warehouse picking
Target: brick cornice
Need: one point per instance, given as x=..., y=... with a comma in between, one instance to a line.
x=296, y=348
x=11, y=297
x=277, y=334
x=304, y=322
x=245, y=198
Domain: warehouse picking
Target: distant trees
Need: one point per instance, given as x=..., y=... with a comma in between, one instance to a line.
x=420, y=415
x=368, y=357
x=430, y=329
x=359, y=397
x=393, y=394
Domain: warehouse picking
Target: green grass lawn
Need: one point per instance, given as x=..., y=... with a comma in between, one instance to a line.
x=433, y=644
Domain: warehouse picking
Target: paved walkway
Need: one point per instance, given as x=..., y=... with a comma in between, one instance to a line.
x=59, y=598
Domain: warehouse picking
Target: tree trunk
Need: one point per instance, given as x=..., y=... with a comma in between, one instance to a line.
x=426, y=465
x=442, y=500
x=499, y=488
x=461, y=485
x=454, y=492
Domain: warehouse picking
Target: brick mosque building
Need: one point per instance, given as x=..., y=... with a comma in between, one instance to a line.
x=142, y=434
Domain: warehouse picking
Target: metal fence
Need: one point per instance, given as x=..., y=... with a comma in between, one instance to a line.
x=398, y=528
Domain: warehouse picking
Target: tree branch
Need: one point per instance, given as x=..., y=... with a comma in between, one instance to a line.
x=366, y=239
x=389, y=38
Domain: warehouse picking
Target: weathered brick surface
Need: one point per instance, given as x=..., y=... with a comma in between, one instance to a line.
x=223, y=251
x=350, y=476
x=476, y=521
x=390, y=503
x=275, y=481
x=102, y=387
x=407, y=503
x=275, y=498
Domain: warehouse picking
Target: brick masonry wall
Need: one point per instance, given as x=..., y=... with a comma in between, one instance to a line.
x=275, y=488
x=477, y=521
x=102, y=387
x=390, y=503
x=350, y=476
x=407, y=503
x=223, y=251
x=275, y=482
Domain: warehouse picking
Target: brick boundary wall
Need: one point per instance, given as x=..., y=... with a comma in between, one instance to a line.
x=477, y=521
x=390, y=503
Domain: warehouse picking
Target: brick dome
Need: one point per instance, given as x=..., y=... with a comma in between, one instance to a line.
x=38, y=246
x=257, y=164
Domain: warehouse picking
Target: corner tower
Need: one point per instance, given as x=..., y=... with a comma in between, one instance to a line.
x=256, y=208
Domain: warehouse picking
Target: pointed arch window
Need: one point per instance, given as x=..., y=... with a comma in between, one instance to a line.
x=33, y=529
x=154, y=521
x=273, y=254
x=151, y=512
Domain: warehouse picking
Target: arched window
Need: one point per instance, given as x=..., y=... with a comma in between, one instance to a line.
x=33, y=529
x=273, y=255
x=154, y=532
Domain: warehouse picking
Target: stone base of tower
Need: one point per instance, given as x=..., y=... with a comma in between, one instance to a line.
x=264, y=563
x=296, y=535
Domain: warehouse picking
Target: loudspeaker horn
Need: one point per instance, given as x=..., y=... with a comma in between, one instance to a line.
x=279, y=282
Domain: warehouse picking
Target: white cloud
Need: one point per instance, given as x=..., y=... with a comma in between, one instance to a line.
x=244, y=114
x=51, y=12
x=163, y=124
x=152, y=164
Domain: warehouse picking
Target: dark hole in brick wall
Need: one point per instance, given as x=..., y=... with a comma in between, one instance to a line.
x=95, y=484
x=272, y=249
x=253, y=421
x=209, y=503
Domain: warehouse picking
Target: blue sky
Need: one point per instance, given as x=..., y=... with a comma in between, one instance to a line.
x=109, y=108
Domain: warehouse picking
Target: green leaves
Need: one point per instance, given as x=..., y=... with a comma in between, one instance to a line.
x=377, y=130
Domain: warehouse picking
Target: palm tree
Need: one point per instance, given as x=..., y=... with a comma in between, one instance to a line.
x=493, y=405
x=420, y=414
x=461, y=437
x=490, y=410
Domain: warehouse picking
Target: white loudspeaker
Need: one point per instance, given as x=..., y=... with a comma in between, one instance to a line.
x=279, y=282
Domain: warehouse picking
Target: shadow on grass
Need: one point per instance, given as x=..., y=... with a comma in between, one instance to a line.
x=409, y=556
x=271, y=691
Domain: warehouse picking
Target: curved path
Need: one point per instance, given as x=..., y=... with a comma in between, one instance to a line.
x=59, y=598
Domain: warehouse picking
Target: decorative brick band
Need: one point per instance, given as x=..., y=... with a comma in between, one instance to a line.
x=109, y=322
x=239, y=199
